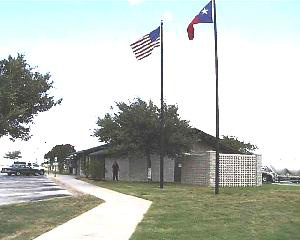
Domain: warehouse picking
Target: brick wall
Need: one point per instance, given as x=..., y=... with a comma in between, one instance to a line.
x=235, y=170
x=259, y=176
x=195, y=169
x=169, y=165
x=212, y=170
x=137, y=169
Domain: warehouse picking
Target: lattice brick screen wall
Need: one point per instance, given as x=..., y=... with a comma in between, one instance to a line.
x=238, y=170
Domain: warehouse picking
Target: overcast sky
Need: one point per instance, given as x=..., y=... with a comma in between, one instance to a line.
x=85, y=45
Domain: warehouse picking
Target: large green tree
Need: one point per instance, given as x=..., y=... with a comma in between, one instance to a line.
x=24, y=93
x=236, y=144
x=60, y=152
x=13, y=155
x=135, y=129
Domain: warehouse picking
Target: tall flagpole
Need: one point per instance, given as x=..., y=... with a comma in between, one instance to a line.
x=161, y=183
x=217, y=102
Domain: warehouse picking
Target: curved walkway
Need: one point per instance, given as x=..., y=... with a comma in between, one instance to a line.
x=116, y=219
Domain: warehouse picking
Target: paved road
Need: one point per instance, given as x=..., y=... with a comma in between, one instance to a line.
x=17, y=189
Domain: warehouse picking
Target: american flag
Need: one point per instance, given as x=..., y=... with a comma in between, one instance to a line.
x=143, y=47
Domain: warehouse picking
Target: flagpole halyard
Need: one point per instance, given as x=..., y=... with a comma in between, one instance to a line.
x=161, y=183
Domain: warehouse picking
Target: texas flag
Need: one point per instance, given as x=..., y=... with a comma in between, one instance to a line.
x=205, y=16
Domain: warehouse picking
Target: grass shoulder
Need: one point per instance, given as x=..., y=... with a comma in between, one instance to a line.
x=29, y=220
x=269, y=212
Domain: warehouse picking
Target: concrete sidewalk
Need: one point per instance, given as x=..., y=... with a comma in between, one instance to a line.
x=116, y=219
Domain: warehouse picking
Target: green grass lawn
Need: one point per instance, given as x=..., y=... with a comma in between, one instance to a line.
x=28, y=220
x=184, y=212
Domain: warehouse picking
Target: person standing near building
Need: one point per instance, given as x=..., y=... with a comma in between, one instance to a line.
x=115, y=170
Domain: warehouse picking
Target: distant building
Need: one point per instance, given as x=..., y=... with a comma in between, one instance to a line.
x=196, y=167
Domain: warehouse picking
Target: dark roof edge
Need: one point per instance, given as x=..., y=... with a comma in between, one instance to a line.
x=211, y=140
x=91, y=150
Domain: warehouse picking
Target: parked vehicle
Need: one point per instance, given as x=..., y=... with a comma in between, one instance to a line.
x=37, y=167
x=23, y=169
x=270, y=175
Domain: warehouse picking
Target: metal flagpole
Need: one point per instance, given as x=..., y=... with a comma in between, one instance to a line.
x=162, y=111
x=217, y=102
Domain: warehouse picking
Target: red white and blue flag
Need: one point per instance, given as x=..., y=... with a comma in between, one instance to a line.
x=143, y=47
x=205, y=16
